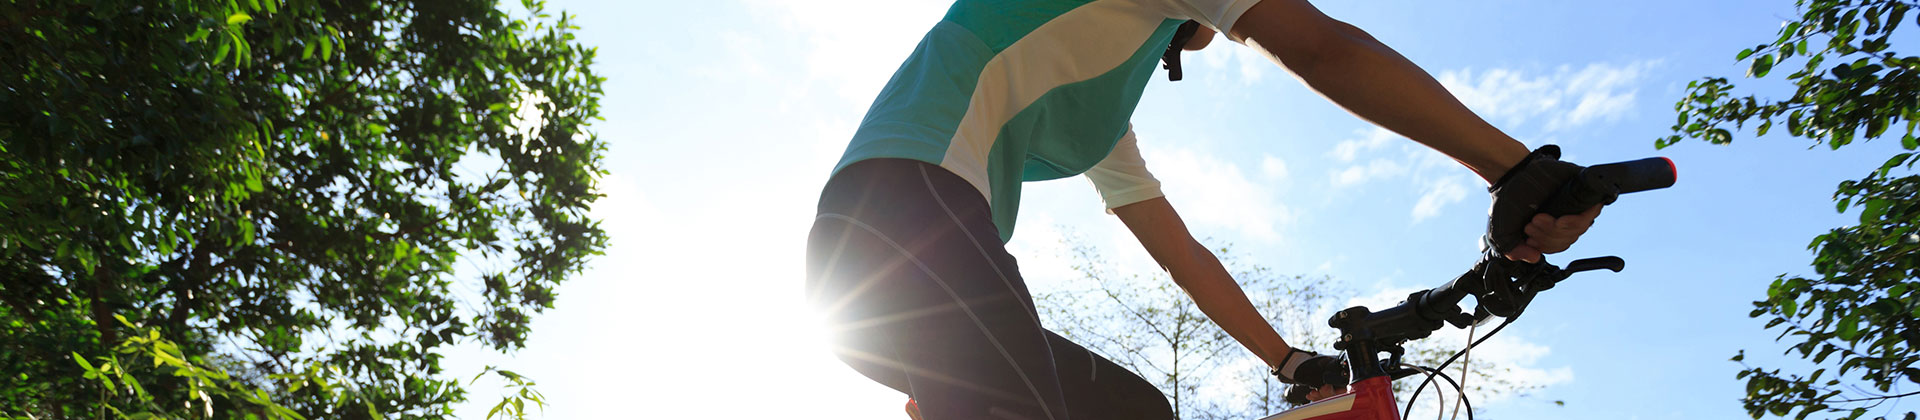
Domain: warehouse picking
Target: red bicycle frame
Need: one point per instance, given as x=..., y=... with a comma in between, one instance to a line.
x=1369, y=399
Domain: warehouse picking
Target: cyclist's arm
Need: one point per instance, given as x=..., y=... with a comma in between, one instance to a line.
x=1352, y=69
x=1198, y=272
x=1356, y=71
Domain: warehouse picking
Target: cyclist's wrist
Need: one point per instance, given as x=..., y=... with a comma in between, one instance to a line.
x=1274, y=356
x=1501, y=160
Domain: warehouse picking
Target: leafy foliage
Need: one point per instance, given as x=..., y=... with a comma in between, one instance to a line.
x=1149, y=325
x=1857, y=318
x=278, y=185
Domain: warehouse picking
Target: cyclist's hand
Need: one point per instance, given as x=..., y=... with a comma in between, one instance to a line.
x=1515, y=227
x=1302, y=395
x=1302, y=367
x=1547, y=234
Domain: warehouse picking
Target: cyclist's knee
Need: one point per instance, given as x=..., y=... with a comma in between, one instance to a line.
x=1138, y=399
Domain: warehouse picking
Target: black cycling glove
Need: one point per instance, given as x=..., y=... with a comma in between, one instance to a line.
x=1308, y=371
x=1518, y=195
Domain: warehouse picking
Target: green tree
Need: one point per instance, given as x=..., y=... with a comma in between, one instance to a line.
x=1857, y=318
x=1149, y=325
x=280, y=187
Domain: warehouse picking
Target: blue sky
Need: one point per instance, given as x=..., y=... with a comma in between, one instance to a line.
x=723, y=118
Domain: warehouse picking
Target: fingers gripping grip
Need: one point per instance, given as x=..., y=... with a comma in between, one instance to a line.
x=1601, y=184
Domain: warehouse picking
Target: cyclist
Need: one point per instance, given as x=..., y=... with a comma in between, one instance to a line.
x=907, y=258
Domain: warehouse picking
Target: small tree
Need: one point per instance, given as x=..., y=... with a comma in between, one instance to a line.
x=1149, y=325
x=1857, y=318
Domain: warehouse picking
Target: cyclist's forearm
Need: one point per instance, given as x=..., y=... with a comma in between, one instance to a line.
x=1224, y=302
x=1376, y=83
x=1197, y=271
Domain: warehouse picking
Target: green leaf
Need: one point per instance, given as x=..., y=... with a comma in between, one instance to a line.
x=377, y=129
x=199, y=34
x=240, y=48
x=1743, y=54
x=105, y=382
x=246, y=230
x=1873, y=209
x=1910, y=142
x=238, y=18
x=83, y=363
x=1896, y=160
x=1719, y=136
x=374, y=412
x=1761, y=66
x=1849, y=328
x=326, y=47
x=221, y=54
x=496, y=409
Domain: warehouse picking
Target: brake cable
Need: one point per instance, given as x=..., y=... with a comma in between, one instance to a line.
x=1465, y=371
x=1443, y=365
x=1443, y=399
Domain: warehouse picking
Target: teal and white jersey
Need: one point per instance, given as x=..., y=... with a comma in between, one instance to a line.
x=1005, y=91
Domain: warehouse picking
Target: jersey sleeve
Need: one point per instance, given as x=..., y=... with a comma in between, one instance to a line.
x=1217, y=14
x=1122, y=177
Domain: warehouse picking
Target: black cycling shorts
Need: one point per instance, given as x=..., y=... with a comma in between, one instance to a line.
x=908, y=269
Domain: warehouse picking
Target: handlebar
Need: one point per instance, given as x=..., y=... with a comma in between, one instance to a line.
x=1501, y=287
x=1601, y=184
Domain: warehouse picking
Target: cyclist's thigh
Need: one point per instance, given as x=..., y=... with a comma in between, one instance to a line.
x=1097, y=388
x=924, y=297
x=846, y=285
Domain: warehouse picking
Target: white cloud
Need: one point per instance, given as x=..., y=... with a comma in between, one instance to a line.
x=1209, y=191
x=1368, y=140
x=854, y=46
x=1043, y=249
x=1563, y=99
x=1438, y=193
x=1604, y=93
x=624, y=211
x=1506, y=96
x=1327, y=266
x=1375, y=169
x=747, y=53
x=1223, y=56
x=1273, y=168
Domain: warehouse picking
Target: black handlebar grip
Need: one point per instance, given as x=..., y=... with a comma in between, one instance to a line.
x=1601, y=184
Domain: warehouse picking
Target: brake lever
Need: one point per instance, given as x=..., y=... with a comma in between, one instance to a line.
x=1511, y=285
x=1609, y=262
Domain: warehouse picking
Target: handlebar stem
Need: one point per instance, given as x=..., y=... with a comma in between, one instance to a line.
x=1500, y=287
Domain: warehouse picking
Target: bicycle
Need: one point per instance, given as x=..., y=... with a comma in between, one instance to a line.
x=1500, y=287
